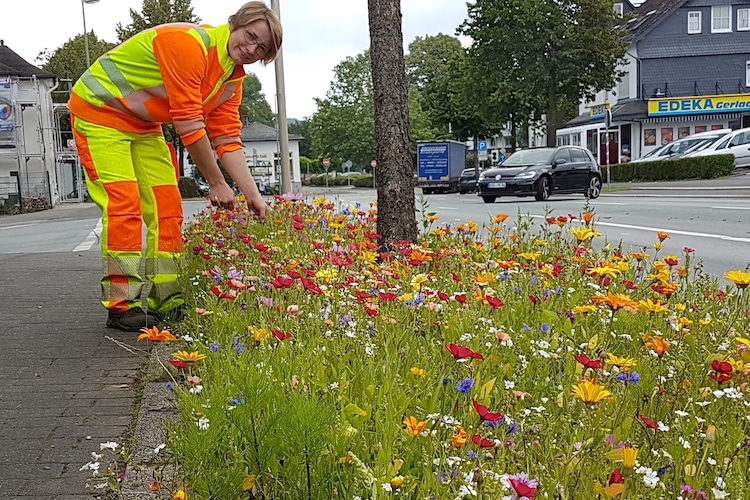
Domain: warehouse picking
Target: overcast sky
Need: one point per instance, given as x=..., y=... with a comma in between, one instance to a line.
x=318, y=34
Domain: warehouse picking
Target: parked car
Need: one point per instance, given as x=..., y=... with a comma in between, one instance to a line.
x=681, y=146
x=541, y=172
x=736, y=143
x=203, y=188
x=467, y=182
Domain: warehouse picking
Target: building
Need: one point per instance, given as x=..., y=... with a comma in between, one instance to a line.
x=28, y=138
x=687, y=71
x=260, y=143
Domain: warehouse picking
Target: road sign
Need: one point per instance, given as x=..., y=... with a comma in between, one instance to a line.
x=326, y=163
x=373, y=163
x=347, y=165
x=482, y=150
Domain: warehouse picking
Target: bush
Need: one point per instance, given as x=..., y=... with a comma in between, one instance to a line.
x=704, y=167
x=188, y=187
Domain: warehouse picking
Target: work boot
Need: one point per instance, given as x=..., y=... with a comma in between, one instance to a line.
x=131, y=320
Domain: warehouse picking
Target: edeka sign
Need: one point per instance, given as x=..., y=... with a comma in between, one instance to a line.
x=677, y=106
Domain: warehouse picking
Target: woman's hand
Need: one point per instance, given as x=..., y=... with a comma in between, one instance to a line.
x=257, y=206
x=221, y=195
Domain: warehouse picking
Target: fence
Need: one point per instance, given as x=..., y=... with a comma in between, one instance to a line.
x=25, y=192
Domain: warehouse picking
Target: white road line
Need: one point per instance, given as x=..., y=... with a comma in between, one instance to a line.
x=722, y=237
x=732, y=208
x=16, y=226
x=92, y=238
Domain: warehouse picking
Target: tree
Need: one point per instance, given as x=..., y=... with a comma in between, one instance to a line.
x=302, y=128
x=255, y=107
x=155, y=12
x=429, y=65
x=396, y=221
x=342, y=127
x=545, y=55
x=68, y=61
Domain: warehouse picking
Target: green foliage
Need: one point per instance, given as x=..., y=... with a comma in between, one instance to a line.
x=188, y=187
x=543, y=57
x=255, y=107
x=704, y=167
x=155, y=12
x=302, y=128
x=68, y=61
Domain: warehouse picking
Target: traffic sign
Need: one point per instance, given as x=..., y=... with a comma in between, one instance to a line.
x=374, y=163
x=482, y=150
x=326, y=163
x=347, y=165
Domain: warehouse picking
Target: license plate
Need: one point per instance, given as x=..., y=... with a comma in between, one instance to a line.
x=496, y=185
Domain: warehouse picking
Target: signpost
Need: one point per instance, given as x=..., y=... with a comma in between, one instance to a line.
x=482, y=150
x=347, y=165
x=373, y=164
x=326, y=164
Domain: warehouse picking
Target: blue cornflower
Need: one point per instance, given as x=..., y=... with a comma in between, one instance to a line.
x=465, y=385
x=517, y=289
x=170, y=386
x=526, y=328
x=214, y=347
x=446, y=379
x=534, y=280
x=546, y=328
x=546, y=293
x=512, y=428
x=240, y=348
x=629, y=377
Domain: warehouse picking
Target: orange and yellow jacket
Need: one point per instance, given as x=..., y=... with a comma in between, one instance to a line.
x=179, y=73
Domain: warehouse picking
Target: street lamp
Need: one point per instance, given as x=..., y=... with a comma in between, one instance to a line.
x=86, y=33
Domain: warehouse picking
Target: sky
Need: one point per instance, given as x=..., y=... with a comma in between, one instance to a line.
x=318, y=34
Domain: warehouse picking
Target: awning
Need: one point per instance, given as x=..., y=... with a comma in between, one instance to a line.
x=692, y=118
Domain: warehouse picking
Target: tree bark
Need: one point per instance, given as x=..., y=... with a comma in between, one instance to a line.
x=394, y=172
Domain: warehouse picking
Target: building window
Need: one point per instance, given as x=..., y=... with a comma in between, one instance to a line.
x=694, y=22
x=618, y=9
x=747, y=73
x=623, y=89
x=721, y=19
x=743, y=19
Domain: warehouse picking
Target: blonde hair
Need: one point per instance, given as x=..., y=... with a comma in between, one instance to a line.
x=259, y=11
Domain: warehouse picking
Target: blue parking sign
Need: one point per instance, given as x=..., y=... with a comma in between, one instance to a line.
x=482, y=146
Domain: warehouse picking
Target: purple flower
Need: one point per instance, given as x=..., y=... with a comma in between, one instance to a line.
x=214, y=347
x=526, y=328
x=546, y=328
x=465, y=385
x=629, y=377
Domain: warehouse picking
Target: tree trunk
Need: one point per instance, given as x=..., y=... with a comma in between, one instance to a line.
x=395, y=184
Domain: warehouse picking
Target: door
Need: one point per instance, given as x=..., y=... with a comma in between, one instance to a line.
x=609, y=155
x=740, y=148
x=562, y=170
x=581, y=169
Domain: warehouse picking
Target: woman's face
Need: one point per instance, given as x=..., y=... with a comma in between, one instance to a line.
x=250, y=43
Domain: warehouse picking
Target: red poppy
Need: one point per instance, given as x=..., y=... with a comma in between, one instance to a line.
x=456, y=277
x=311, y=285
x=721, y=366
x=461, y=352
x=522, y=489
x=387, y=296
x=372, y=311
x=460, y=298
x=442, y=295
x=280, y=335
x=494, y=302
x=294, y=274
x=178, y=364
x=485, y=414
x=261, y=247
x=230, y=295
x=649, y=423
x=533, y=299
x=596, y=364
x=616, y=477
x=720, y=378
x=483, y=442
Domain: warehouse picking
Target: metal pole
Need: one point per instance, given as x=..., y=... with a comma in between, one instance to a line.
x=85, y=34
x=286, y=171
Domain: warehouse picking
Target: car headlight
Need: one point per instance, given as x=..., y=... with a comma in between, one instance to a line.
x=481, y=176
x=526, y=175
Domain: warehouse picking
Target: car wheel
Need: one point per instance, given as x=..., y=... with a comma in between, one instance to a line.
x=542, y=188
x=595, y=188
x=489, y=199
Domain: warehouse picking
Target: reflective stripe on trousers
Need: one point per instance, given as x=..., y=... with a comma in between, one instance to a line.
x=132, y=179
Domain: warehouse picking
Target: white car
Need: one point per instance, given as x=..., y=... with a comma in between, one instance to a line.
x=680, y=146
x=736, y=143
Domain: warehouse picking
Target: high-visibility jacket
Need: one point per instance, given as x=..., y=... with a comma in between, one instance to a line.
x=180, y=73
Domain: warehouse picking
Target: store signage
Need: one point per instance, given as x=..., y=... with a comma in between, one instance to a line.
x=677, y=106
x=599, y=110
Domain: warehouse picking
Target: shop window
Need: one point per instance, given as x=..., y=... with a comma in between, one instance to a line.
x=694, y=23
x=649, y=137
x=721, y=19
x=667, y=135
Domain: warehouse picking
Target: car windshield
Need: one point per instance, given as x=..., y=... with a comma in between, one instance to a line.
x=529, y=157
x=656, y=151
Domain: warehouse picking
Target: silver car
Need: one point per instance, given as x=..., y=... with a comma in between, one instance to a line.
x=736, y=143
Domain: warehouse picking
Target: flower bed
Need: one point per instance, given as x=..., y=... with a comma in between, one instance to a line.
x=506, y=360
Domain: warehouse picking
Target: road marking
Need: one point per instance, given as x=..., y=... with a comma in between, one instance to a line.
x=92, y=238
x=16, y=226
x=732, y=208
x=676, y=231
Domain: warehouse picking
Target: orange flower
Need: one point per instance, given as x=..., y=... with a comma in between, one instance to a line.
x=616, y=301
x=459, y=437
x=500, y=218
x=662, y=235
x=414, y=425
x=155, y=335
x=587, y=217
x=658, y=344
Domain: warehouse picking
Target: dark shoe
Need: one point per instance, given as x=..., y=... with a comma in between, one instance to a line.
x=173, y=315
x=132, y=320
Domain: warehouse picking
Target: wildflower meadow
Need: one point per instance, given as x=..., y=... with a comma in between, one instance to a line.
x=497, y=359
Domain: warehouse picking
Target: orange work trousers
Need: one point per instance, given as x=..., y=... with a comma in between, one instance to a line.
x=132, y=178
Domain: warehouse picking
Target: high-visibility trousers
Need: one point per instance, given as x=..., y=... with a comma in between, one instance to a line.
x=131, y=177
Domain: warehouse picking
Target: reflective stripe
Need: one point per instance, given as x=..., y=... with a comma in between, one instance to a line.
x=116, y=76
x=96, y=87
x=204, y=36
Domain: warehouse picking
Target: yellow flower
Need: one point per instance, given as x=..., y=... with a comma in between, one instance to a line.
x=650, y=306
x=590, y=392
x=626, y=454
x=604, y=271
x=179, y=495
x=622, y=362
x=740, y=278
x=367, y=256
x=259, y=334
x=397, y=481
x=155, y=335
x=711, y=433
x=530, y=255
x=583, y=233
x=418, y=280
x=585, y=309
x=485, y=279
x=616, y=300
x=249, y=482
x=414, y=425
x=417, y=372
x=188, y=356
